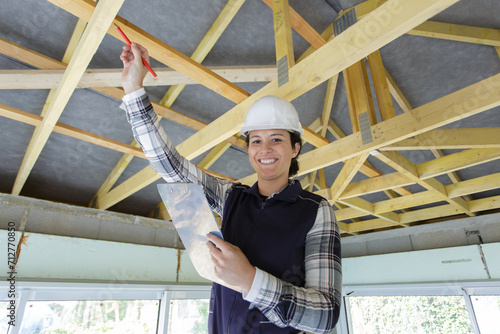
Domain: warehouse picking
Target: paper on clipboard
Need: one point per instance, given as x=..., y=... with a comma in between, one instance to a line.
x=188, y=207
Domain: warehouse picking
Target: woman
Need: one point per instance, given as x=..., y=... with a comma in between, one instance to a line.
x=281, y=244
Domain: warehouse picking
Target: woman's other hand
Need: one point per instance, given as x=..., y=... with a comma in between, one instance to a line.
x=231, y=265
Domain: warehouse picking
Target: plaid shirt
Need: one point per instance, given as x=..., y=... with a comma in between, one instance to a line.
x=317, y=304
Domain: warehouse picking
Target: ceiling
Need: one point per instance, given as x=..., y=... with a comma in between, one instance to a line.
x=425, y=157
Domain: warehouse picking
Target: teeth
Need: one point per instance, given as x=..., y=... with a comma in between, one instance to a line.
x=267, y=161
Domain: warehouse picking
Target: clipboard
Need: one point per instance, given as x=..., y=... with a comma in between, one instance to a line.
x=188, y=207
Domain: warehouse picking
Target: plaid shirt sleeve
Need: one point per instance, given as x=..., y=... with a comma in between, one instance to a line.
x=314, y=308
x=163, y=156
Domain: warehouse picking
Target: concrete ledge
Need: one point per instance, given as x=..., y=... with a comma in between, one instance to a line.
x=482, y=229
x=45, y=217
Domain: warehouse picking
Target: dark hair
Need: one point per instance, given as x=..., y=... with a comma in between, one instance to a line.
x=294, y=165
x=294, y=139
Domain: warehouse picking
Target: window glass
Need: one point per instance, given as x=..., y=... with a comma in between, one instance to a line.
x=409, y=314
x=487, y=311
x=4, y=318
x=89, y=317
x=188, y=316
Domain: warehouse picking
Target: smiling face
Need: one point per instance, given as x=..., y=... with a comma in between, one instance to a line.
x=270, y=153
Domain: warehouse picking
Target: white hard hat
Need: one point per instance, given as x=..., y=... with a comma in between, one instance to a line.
x=272, y=112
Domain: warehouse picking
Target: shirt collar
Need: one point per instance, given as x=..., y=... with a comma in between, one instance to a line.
x=289, y=193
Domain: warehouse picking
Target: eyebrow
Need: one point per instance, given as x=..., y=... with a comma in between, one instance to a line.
x=271, y=135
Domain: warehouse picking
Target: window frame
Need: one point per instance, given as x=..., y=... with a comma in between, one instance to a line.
x=464, y=289
x=119, y=290
x=69, y=291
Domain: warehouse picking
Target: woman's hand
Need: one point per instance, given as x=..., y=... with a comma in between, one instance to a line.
x=134, y=70
x=231, y=265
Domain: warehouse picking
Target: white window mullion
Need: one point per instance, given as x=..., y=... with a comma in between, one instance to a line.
x=164, y=312
x=470, y=310
x=342, y=324
x=21, y=301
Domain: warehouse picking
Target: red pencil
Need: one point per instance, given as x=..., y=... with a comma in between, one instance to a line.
x=129, y=43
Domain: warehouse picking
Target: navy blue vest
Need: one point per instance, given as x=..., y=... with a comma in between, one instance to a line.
x=272, y=235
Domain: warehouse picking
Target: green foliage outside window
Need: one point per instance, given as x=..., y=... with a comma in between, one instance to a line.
x=409, y=314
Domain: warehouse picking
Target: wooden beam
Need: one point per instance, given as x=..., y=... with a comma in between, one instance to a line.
x=360, y=96
x=454, y=32
x=350, y=169
x=68, y=54
x=48, y=79
x=457, y=161
x=430, y=213
x=339, y=53
x=316, y=125
x=448, y=109
x=366, y=7
x=327, y=105
x=321, y=179
x=115, y=174
x=16, y=51
x=38, y=60
x=406, y=218
x=452, y=139
x=381, y=86
x=405, y=202
x=452, y=175
x=162, y=111
x=211, y=37
x=376, y=184
x=480, y=184
x=285, y=58
x=405, y=166
x=160, y=51
x=214, y=154
x=347, y=212
x=218, y=27
x=422, y=214
x=349, y=88
x=366, y=225
x=335, y=130
x=325, y=36
x=397, y=94
x=462, y=188
x=405, y=106
x=484, y=204
x=362, y=109
x=368, y=208
x=94, y=33
x=35, y=120
x=207, y=43
x=302, y=27
x=73, y=42
x=457, y=32
x=309, y=181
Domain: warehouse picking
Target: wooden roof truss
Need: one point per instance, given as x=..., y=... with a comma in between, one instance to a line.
x=348, y=52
